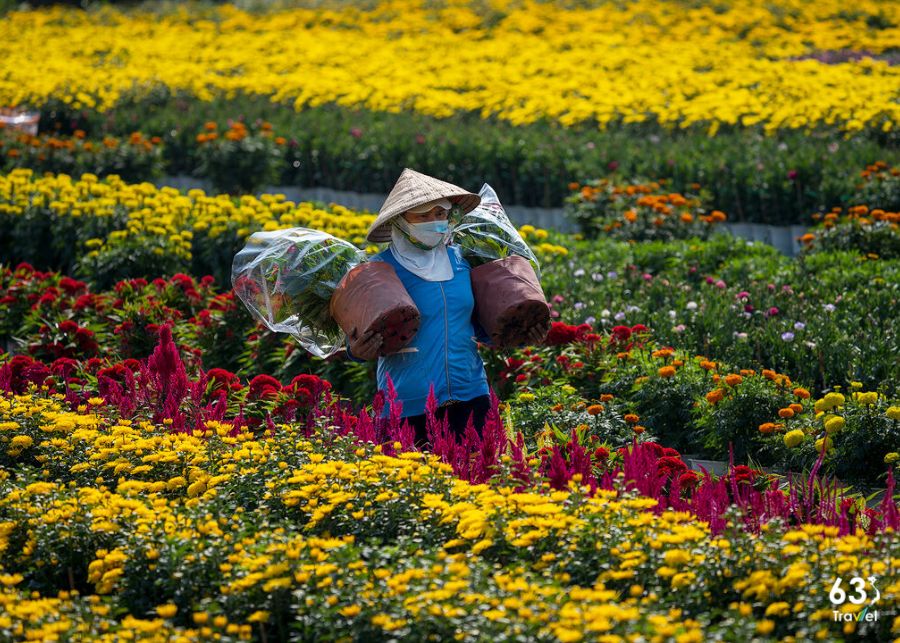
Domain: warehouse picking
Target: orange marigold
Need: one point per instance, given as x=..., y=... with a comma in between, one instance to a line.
x=595, y=409
x=786, y=413
x=707, y=365
x=802, y=393
x=733, y=379
x=606, y=397
x=715, y=396
x=631, y=418
x=767, y=427
x=796, y=408
x=667, y=371
x=637, y=428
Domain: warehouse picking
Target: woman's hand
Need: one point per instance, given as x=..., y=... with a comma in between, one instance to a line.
x=368, y=345
x=536, y=335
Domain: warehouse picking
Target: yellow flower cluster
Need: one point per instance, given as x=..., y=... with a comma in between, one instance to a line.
x=735, y=63
x=164, y=218
x=178, y=224
x=251, y=523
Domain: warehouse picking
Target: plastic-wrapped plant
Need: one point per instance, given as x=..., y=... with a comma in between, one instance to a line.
x=286, y=279
x=486, y=234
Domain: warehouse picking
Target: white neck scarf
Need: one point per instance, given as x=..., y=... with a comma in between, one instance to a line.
x=430, y=265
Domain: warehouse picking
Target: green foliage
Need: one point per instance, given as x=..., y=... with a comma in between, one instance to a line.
x=777, y=179
x=135, y=158
x=736, y=418
x=241, y=160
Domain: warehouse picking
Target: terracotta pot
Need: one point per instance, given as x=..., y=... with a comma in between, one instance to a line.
x=509, y=300
x=372, y=297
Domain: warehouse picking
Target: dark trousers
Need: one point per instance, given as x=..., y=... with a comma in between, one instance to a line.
x=457, y=418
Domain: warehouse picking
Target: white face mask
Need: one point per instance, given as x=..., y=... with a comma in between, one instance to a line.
x=430, y=233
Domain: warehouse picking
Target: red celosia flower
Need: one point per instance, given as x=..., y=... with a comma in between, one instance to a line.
x=264, y=387
x=72, y=286
x=620, y=334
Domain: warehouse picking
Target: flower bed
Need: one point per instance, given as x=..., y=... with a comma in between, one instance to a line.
x=183, y=518
x=748, y=53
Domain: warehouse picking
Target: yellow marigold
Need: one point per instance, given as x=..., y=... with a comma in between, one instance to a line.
x=867, y=399
x=676, y=557
x=892, y=457
x=167, y=611
x=834, y=399
x=779, y=608
x=834, y=424
x=793, y=438
x=893, y=412
x=825, y=443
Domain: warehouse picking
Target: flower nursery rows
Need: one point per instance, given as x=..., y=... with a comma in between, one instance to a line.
x=173, y=470
x=796, y=96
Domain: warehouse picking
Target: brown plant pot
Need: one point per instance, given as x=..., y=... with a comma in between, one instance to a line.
x=509, y=300
x=372, y=297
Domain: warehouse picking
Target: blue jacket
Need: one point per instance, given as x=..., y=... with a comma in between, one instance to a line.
x=444, y=351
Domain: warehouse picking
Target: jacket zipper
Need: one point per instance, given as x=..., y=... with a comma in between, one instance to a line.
x=446, y=342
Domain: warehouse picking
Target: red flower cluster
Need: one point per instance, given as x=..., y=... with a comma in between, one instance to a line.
x=562, y=333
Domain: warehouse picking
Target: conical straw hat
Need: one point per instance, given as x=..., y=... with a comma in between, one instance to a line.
x=414, y=189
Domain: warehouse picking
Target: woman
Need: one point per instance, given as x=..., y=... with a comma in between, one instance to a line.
x=444, y=351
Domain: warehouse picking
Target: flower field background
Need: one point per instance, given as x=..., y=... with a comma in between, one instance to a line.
x=526, y=96
x=172, y=471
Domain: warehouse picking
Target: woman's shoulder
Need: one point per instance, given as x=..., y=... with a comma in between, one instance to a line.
x=384, y=255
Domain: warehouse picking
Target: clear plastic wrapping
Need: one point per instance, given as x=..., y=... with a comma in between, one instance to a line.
x=286, y=279
x=486, y=234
